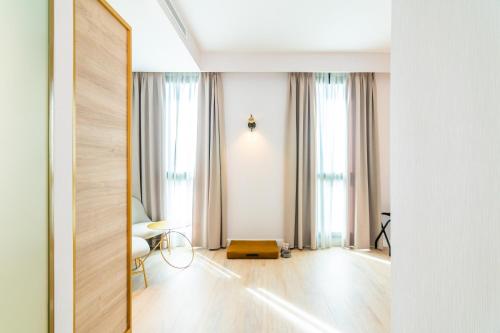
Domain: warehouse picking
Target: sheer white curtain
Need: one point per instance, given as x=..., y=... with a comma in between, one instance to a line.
x=331, y=158
x=181, y=121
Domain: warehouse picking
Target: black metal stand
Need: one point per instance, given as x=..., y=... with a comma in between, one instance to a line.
x=383, y=231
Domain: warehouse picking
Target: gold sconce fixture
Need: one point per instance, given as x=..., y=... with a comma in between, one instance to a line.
x=251, y=123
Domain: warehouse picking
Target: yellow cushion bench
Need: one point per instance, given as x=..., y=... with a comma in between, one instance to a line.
x=250, y=249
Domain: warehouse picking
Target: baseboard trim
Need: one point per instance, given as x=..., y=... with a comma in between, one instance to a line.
x=278, y=240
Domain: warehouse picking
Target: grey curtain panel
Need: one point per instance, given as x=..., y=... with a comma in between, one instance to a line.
x=364, y=192
x=300, y=169
x=148, y=131
x=209, y=202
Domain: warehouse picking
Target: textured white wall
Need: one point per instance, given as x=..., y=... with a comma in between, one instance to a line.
x=445, y=146
x=255, y=160
x=24, y=165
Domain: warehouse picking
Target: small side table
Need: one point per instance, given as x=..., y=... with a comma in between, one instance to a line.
x=388, y=215
x=168, y=229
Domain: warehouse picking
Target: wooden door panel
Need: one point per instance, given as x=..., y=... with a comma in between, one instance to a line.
x=101, y=174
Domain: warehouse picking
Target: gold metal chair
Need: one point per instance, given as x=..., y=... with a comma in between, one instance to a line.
x=140, y=250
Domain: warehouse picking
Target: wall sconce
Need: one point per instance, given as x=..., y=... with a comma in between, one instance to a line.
x=251, y=123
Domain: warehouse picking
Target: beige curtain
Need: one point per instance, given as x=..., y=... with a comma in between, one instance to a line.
x=148, y=139
x=209, y=202
x=364, y=191
x=300, y=182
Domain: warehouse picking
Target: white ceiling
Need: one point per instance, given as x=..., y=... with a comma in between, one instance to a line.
x=275, y=35
x=156, y=46
x=288, y=25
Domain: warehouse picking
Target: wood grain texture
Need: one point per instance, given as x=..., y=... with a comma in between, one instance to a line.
x=332, y=290
x=101, y=169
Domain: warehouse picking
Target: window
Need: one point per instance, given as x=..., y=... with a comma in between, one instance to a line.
x=331, y=158
x=180, y=145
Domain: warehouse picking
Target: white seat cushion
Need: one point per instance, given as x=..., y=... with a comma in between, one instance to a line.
x=142, y=230
x=140, y=247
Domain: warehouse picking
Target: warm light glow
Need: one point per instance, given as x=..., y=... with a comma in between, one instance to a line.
x=292, y=313
x=252, y=138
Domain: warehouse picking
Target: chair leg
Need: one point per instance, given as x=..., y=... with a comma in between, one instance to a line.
x=387, y=237
x=169, y=242
x=382, y=232
x=144, y=272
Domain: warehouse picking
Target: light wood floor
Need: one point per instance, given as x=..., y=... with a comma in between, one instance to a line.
x=334, y=290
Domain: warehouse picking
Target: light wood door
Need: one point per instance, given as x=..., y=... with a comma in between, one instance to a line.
x=102, y=169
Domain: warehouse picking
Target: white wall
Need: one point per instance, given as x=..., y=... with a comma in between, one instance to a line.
x=255, y=160
x=24, y=91
x=295, y=62
x=157, y=45
x=445, y=145
x=62, y=161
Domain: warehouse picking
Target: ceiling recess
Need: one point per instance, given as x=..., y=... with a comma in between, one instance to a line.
x=176, y=17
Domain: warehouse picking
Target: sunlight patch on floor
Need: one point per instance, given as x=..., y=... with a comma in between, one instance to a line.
x=370, y=257
x=292, y=313
x=216, y=266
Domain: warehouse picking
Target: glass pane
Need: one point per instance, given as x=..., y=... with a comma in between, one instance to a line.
x=24, y=92
x=331, y=158
x=180, y=146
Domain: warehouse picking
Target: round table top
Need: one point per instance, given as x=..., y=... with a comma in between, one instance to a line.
x=165, y=225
